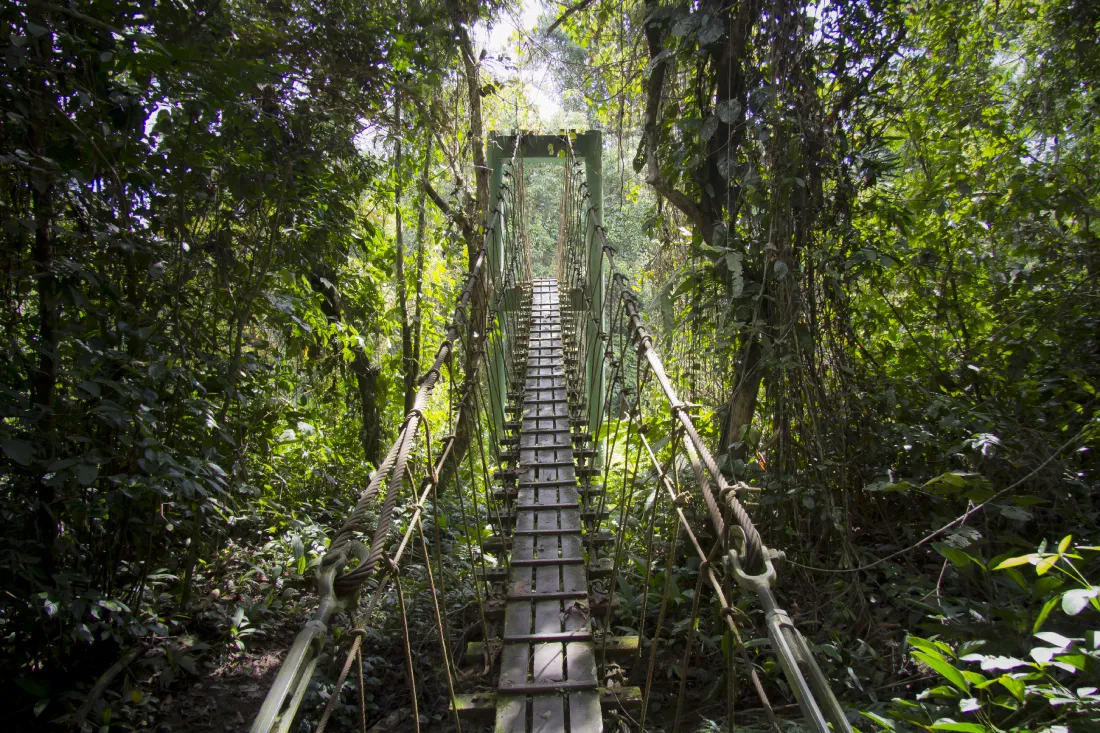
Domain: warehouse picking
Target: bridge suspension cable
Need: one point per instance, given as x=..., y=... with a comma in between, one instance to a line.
x=412, y=470
x=558, y=384
x=615, y=331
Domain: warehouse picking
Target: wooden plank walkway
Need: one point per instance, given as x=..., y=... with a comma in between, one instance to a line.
x=548, y=664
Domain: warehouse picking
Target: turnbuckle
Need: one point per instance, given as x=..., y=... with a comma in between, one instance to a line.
x=794, y=654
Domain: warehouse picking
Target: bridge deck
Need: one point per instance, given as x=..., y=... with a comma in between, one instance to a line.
x=548, y=668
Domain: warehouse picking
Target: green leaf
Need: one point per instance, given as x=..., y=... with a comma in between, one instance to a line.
x=944, y=691
x=709, y=33
x=885, y=486
x=935, y=648
x=949, y=724
x=1074, y=601
x=995, y=662
x=727, y=110
x=1014, y=561
x=1016, y=513
x=949, y=672
x=975, y=678
x=884, y=722
x=948, y=483
x=1055, y=639
x=954, y=554
x=710, y=126
x=684, y=25
x=86, y=473
x=1080, y=661
x=18, y=450
x=1014, y=686
x=1044, y=612
x=1046, y=564
x=1064, y=544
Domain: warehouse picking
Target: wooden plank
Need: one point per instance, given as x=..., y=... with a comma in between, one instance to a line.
x=548, y=495
x=523, y=547
x=546, y=544
x=573, y=578
x=570, y=519
x=618, y=648
x=581, y=661
x=511, y=714
x=514, y=662
x=547, y=589
x=582, y=635
x=481, y=706
x=571, y=492
x=554, y=563
x=547, y=714
x=584, y=713
x=549, y=662
x=557, y=484
x=548, y=617
x=517, y=618
x=575, y=616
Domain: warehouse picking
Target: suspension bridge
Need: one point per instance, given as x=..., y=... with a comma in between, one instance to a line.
x=546, y=410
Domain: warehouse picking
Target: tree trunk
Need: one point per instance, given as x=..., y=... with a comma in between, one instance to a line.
x=742, y=404
x=366, y=373
x=421, y=245
x=408, y=367
x=477, y=134
x=366, y=378
x=479, y=302
x=45, y=376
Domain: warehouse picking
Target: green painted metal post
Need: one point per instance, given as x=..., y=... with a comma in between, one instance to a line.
x=590, y=145
x=498, y=370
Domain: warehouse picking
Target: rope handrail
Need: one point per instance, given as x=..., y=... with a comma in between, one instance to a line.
x=747, y=560
x=336, y=586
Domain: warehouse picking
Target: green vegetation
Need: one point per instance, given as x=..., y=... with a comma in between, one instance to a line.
x=867, y=235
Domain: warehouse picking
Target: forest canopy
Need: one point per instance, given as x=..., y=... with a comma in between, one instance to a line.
x=866, y=236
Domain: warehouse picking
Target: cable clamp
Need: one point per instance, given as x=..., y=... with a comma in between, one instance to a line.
x=331, y=565
x=413, y=412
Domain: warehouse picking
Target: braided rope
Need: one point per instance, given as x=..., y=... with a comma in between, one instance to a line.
x=696, y=449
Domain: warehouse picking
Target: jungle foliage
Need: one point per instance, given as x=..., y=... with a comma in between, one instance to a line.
x=867, y=233
x=877, y=253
